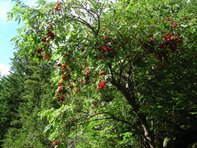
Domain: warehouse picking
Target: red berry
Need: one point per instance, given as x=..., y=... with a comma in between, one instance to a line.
x=64, y=77
x=102, y=73
x=174, y=24
x=88, y=73
x=64, y=67
x=46, y=56
x=71, y=86
x=164, y=44
x=60, y=84
x=107, y=37
x=105, y=48
x=59, y=90
x=56, y=142
x=167, y=36
x=59, y=65
x=44, y=39
x=51, y=34
x=57, y=6
x=82, y=81
x=168, y=19
x=39, y=50
x=62, y=99
x=101, y=85
x=78, y=89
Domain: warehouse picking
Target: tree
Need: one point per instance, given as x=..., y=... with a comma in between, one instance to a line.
x=10, y=98
x=121, y=63
x=24, y=93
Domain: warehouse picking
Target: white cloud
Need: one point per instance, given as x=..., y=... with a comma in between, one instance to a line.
x=4, y=9
x=33, y=2
x=4, y=69
x=30, y=2
x=6, y=6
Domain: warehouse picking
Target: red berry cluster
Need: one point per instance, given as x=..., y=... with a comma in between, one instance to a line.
x=102, y=85
x=106, y=48
x=41, y=54
x=60, y=92
x=65, y=85
x=50, y=36
x=174, y=23
x=57, y=6
x=169, y=41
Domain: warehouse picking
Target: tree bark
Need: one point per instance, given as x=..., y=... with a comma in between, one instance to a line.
x=147, y=135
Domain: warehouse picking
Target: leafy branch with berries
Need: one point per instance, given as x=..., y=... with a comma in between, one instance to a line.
x=123, y=70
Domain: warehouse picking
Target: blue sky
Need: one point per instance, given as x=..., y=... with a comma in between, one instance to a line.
x=7, y=31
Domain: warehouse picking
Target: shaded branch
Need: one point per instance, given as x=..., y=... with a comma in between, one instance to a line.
x=113, y=117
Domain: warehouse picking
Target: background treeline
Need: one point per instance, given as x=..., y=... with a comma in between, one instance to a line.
x=23, y=94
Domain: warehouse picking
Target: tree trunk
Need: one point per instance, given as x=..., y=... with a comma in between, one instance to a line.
x=147, y=135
